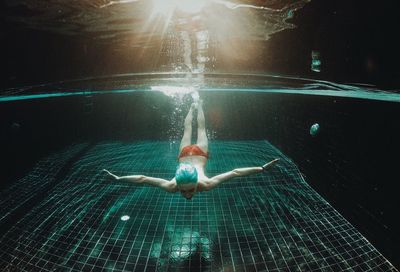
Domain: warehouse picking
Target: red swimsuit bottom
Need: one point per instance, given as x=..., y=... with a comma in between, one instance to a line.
x=192, y=150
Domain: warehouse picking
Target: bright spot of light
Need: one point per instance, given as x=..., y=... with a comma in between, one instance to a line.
x=125, y=218
x=180, y=252
x=166, y=7
x=174, y=90
x=314, y=129
x=191, y=6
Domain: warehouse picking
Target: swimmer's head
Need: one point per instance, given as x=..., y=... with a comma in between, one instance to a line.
x=186, y=180
x=185, y=173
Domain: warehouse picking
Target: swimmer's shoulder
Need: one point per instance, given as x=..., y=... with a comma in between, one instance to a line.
x=203, y=185
x=171, y=186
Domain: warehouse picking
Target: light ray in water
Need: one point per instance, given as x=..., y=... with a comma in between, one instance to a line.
x=232, y=5
x=134, y=23
x=179, y=92
x=111, y=3
x=174, y=90
x=190, y=6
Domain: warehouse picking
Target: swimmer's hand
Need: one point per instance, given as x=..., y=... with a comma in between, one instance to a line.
x=269, y=164
x=111, y=174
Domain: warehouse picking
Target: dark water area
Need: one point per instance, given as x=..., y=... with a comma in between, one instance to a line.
x=350, y=162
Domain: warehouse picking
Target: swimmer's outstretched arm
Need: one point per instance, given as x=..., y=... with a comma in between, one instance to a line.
x=239, y=172
x=141, y=179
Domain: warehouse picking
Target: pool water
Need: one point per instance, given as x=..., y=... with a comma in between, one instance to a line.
x=106, y=84
x=83, y=221
x=321, y=208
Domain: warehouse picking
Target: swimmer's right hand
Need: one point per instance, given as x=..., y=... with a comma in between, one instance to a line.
x=269, y=164
x=111, y=174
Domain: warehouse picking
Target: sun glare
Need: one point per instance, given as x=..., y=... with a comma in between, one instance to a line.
x=166, y=7
x=173, y=90
x=191, y=6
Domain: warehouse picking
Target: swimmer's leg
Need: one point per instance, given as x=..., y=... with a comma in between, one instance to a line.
x=187, y=133
x=202, y=140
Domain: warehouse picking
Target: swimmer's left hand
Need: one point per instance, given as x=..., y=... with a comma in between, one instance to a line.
x=269, y=164
x=111, y=174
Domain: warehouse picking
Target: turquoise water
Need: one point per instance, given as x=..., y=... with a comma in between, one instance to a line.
x=177, y=83
x=63, y=213
x=78, y=220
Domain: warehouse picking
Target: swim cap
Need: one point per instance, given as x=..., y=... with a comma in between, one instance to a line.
x=185, y=173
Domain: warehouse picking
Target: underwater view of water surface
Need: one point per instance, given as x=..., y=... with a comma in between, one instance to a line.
x=199, y=136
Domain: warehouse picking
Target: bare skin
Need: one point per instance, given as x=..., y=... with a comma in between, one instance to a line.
x=204, y=183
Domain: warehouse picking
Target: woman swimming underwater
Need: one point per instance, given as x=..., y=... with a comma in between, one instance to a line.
x=190, y=177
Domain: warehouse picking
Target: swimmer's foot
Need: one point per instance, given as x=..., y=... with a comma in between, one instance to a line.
x=199, y=104
x=193, y=107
